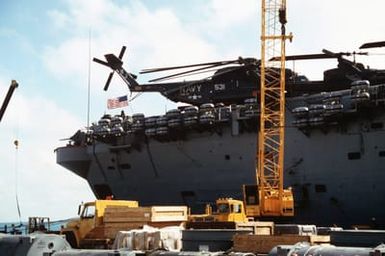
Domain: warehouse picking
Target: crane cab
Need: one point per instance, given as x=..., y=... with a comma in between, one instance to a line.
x=272, y=205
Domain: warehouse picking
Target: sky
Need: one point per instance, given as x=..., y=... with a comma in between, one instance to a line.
x=46, y=46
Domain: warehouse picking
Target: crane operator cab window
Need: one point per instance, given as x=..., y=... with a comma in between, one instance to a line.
x=223, y=208
x=88, y=212
x=237, y=208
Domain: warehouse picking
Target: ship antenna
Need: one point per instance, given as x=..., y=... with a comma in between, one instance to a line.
x=89, y=79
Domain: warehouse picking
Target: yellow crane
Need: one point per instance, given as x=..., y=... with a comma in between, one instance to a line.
x=269, y=198
x=266, y=198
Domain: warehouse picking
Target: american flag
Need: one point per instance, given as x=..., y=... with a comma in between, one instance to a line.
x=118, y=102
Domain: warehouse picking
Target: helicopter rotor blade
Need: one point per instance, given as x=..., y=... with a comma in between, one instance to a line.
x=197, y=72
x=108, y=81
x=354, y=53
x=122, y=52
x=331, y=54
x=340, y=54
x=377, y=54
x=303, y=57
x=151, y=70
x=325, y=55
x=373, y=45
x=101, y=62
x=191, y=72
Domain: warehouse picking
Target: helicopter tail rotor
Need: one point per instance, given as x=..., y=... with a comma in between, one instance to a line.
x=112, y=62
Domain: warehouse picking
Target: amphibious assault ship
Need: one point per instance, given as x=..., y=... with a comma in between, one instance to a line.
x=334, y=149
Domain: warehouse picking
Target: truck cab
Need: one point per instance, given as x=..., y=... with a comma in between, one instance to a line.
x=229, y=209
x=91, y=216
x=227, y=212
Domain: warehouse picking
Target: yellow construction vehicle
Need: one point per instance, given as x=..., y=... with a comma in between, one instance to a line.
x=227, y=209
x=227, y=214
x=90, y=220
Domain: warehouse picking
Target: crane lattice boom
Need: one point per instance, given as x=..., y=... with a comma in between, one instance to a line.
x=272, y=120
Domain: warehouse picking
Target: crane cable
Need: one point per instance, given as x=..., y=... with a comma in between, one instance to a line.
x=16, y=165
x=16, y=143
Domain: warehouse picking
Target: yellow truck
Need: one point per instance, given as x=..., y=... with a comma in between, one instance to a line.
x=90, y=223
x=101, y=220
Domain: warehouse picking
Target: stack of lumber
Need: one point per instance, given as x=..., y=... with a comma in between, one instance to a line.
x=123, y=218
x=118, y=218
x=264, y=243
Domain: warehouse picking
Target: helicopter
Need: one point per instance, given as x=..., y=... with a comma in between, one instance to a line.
x=234, y=81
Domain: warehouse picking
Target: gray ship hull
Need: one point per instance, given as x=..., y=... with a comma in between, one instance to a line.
x=336, y=170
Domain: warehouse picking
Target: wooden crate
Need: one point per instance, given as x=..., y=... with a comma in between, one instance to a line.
x=264, y=243
x=168, y=213
x=256, y=227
